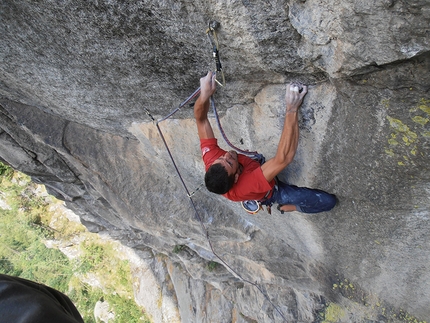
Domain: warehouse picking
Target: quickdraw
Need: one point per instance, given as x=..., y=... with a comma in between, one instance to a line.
x=213, y=39
x=211, y=32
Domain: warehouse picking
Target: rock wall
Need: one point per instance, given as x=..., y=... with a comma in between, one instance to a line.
x=77, y=78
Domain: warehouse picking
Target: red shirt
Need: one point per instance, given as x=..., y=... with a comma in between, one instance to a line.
x=251, y=185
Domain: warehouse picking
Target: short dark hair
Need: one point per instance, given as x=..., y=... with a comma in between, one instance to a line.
x=217, y=179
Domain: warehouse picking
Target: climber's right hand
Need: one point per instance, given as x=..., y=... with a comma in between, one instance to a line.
x=207, y=86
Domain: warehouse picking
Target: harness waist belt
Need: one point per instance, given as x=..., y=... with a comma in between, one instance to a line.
x=274, y=189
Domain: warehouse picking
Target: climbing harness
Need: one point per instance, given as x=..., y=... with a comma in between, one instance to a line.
x=253, y=154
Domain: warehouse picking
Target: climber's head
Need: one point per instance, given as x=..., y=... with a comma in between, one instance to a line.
x=223, y=173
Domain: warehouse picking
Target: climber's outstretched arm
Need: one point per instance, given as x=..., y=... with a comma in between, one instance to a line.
x=201, y=107
x=290, y=134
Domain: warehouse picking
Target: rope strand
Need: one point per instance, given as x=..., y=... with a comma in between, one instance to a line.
x=244, y=152
x=204, y=229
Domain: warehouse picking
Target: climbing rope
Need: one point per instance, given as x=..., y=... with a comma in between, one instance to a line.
x=253, y=154
x=204, y=229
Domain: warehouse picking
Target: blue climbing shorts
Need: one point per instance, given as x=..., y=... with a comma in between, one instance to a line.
x=305, y=199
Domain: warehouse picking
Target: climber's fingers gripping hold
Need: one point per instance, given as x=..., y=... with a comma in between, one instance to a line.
x=294, y=96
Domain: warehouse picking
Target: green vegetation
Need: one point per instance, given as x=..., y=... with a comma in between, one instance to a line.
x=372, y=304
x=212, y=265
x=30, y=220
x=406, y=139
x=333, y=313
x=178, y=248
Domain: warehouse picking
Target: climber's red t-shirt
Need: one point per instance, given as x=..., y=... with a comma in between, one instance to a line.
x=251, y=185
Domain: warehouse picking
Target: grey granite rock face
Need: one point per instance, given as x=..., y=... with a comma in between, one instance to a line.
x=77, y=76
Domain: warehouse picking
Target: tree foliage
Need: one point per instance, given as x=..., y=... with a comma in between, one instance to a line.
x=25, y=226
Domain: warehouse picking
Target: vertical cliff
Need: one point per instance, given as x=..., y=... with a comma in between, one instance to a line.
x=76, y=81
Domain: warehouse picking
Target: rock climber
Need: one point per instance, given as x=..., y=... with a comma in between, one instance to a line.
x=240, y=178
